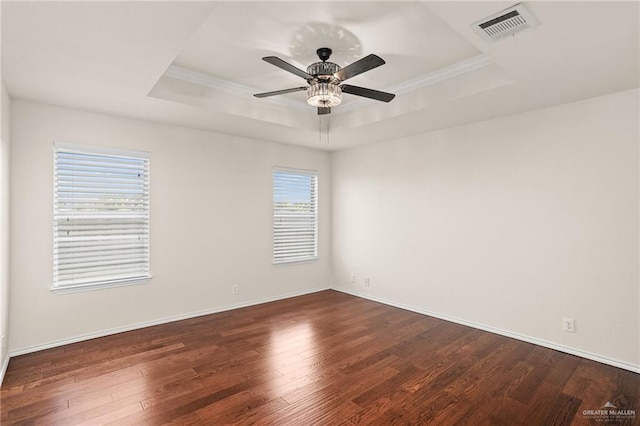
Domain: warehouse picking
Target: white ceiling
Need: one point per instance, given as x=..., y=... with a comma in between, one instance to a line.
x=197, y=64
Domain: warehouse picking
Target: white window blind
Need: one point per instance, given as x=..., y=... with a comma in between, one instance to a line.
x=295, y=215
x=101, y=216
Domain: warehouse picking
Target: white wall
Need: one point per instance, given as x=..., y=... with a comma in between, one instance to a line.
x=210, y=224
x=509, y=224
x=4, y=228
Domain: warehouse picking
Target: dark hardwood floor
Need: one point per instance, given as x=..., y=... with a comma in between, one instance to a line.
x=321, y=359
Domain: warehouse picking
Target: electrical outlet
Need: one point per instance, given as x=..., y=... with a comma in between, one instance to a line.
x=235, y=289
x=352, y=278
x=367, y=283
x=568, y=324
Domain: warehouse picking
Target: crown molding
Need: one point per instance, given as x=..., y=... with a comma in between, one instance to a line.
x=437, y=76
x=443, y=74
x=230, y=87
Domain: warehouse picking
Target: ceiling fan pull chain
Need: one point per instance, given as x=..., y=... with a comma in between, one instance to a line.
x=328, y=130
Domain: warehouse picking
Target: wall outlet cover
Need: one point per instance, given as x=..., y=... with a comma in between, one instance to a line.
x=568, y=324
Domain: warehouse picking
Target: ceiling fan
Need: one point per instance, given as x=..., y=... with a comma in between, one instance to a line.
x=325, y=80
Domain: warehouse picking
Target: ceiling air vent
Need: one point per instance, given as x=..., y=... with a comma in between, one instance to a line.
x=507, y=22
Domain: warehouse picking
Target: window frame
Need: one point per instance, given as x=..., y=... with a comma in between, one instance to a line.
x=84, y=149
x=316, y=243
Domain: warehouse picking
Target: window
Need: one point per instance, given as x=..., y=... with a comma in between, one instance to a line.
x=101, y=217
x=295, y=215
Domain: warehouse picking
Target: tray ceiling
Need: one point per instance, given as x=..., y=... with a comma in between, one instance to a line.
x=197, y=64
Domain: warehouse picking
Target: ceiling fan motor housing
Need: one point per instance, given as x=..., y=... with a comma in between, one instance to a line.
x=324, y=91
x=324, y=71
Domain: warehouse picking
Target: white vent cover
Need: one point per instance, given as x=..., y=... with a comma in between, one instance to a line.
x=504, y=23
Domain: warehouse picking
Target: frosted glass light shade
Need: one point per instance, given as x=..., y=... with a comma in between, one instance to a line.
x=324, y=95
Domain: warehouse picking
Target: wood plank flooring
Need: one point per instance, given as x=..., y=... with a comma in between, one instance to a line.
x=321, y=359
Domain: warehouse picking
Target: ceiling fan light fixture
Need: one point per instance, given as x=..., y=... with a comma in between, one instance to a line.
x=324, y=95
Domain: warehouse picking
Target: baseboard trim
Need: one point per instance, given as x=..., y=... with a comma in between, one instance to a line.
x=3, y=369
x=159, y=321
x=566, y=349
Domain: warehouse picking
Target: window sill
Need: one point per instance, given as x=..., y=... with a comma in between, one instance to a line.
x=295, y=262
x=99, y=286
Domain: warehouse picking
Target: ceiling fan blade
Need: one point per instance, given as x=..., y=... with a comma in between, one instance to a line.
x=358, y=67
x=279, y=92
x=367, y=93
x=274, y=60
x=324, y=110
